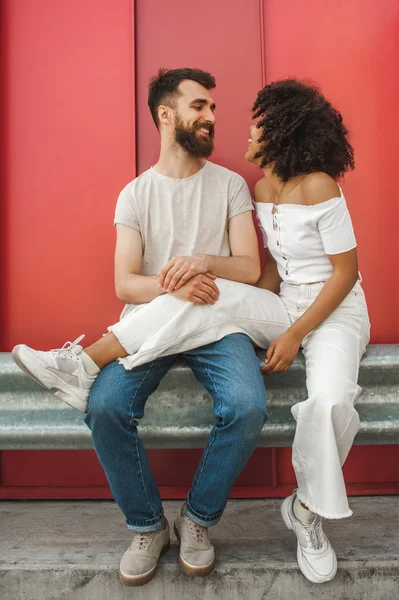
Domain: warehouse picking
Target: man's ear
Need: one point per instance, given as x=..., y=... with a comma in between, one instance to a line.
x=164, y=114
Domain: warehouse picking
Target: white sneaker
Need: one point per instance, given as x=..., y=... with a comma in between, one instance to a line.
x=139, y=563
x=197, y=555
x=62, y=370
x=315, y=555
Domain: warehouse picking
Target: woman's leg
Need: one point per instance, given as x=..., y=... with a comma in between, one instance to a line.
x=327, y=423
x=165, y=326
x=168, y=325
x=105, y=350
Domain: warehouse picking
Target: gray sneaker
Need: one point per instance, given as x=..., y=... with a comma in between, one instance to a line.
x=197, y=555
x=62, y=370
x=139, y=563
x=315, y=555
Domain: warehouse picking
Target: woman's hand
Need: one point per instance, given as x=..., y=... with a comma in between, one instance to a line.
x=200, y=289
x=281, y=353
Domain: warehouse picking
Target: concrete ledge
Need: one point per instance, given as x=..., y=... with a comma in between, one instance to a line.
x=71, y=551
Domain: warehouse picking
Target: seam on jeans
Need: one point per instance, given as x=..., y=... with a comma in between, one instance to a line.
x=143, y=522
x=203, y=518
x=142, y=478
x=137, y=391
x=177, y=339
x=136, y=439
x=213, y=437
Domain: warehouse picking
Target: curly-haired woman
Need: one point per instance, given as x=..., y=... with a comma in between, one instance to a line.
x=301, y=144
x=309, y=295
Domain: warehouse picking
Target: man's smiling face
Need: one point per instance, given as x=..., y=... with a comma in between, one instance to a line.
x=194, y=119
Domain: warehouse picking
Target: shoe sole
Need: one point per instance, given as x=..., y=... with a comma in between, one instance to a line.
x=73, y=401
x=301, y=563
x=137, y=580
x=191, y=570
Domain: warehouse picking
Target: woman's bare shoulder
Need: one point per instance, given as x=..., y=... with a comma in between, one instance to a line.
x=263, y=191
x=319, y=187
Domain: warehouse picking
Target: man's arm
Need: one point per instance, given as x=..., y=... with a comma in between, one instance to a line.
x=242, y=266
x=133, y=288
x=130, y=286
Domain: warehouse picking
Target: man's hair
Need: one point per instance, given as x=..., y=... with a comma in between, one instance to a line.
x=163, y=87
x=300, y=131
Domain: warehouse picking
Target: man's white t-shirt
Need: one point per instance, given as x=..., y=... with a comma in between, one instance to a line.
x=182, y=217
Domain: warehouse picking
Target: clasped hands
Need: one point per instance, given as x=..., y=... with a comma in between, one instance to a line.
x=188, y=278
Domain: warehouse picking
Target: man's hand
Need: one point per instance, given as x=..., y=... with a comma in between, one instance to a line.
x=281, y=353
x=181, y=269
x=200, y=289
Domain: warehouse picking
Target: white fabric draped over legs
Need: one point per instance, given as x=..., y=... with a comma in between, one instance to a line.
x=168, y=325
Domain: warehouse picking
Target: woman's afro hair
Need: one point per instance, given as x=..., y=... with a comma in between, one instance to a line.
x=301, y=132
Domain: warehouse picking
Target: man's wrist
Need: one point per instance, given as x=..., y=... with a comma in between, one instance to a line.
x=159, y=289
x=208, y=260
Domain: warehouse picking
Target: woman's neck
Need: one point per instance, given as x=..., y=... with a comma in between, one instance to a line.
x=280, y=188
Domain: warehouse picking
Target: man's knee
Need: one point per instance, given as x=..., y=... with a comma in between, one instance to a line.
x=246, y=408
x=108, y=396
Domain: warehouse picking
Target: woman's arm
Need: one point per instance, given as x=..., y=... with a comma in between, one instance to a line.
x=270, y=279
x=333, y=293
x=283, y=349
x=316, y=188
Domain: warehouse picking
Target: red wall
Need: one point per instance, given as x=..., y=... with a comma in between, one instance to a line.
x=351, y=49
x=69, y=141
x=69, y=147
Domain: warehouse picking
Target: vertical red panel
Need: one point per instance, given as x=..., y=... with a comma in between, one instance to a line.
x=69, y=149
x=224, y=39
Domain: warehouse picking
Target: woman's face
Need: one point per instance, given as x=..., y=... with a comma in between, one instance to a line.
x=253, y=145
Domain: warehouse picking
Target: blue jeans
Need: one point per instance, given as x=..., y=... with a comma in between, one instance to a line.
x=229, y=369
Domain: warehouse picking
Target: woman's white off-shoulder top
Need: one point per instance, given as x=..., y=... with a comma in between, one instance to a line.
x=300, y=237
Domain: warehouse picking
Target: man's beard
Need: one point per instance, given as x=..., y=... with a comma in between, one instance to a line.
x=195, y=144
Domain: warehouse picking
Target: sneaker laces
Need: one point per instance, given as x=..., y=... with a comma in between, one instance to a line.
x=143, y=539
x=314, y=533
x=67, y=350
x=197, y=532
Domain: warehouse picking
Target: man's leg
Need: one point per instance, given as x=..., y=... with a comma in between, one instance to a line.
x=229, y=369
x=117, y=402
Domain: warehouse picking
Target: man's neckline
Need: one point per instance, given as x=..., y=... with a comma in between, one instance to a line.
x=158, y=174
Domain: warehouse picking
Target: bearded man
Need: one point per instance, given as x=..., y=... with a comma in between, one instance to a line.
x=180, y=224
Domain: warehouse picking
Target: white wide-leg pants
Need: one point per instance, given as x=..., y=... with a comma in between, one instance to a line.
x=327, y=421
